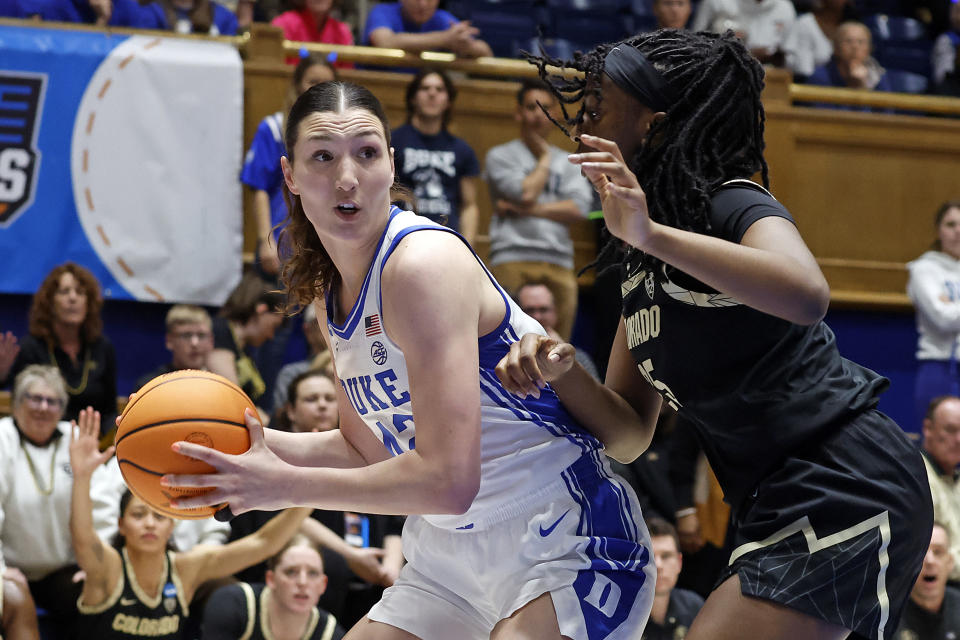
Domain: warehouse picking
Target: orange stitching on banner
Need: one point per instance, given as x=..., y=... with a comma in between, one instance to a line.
x=126, y=61
x=103, y=235
x=124, y=266
x=154, y=293
x=103, y=89
x=86, y=192
x=86, y=159
x=93, y=114
x=152, y=44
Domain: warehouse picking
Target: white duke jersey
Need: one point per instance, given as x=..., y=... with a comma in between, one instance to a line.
x=525, y=443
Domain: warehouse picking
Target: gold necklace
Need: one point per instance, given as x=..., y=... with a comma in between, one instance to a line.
x=33, y=469
x=88, y=365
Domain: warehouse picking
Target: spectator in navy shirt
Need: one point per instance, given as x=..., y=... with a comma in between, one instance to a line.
x=440, y=168
x=851, y=66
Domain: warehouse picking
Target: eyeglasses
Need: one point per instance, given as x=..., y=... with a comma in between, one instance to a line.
x=37, y=401
x=190, y=336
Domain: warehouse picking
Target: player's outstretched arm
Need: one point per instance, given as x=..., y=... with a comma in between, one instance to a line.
x=209, y=562
x=98, y=560
x=621, y=413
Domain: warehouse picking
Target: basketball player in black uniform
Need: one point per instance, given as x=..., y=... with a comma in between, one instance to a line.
x=139, y=587
x=283, y=607
x=722, y=310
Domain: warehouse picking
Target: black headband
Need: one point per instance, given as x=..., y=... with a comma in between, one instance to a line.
x=631, y=71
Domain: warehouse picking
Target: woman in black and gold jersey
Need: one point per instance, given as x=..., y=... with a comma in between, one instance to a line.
x=140, y=587
x=284, y=606
x=722, y=320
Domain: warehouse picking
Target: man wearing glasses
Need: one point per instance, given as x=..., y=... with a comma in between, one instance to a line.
x=189, y=339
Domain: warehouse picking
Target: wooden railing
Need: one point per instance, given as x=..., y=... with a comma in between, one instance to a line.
x=863, y=186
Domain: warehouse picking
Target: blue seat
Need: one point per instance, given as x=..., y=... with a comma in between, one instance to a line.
x=644, y=24
x=553, y=47
x=887, y=28
x=915, y=60
x=459, y=8
x=504, y=26
x=587, y=28
x=641, y=7
x=610, y=6
x=889, y=7
x=906, y=82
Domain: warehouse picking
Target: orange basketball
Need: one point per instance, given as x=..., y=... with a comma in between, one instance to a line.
x=189, y=405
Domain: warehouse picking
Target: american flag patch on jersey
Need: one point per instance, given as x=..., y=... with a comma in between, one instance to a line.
x=372, y=324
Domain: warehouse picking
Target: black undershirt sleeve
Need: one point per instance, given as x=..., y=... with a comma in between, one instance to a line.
x=735, y=208
x=225, y=615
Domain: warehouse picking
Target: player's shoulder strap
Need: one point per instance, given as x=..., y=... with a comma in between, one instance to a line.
x=743, y=182
x=329, y=628
x=251, y=602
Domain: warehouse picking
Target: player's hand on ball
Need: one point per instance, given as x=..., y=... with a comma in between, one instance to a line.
x=532, y=362
x=255, y=479
x=85, y=454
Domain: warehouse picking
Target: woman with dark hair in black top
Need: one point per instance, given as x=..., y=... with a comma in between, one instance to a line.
x=139, y=586
x=722, y=320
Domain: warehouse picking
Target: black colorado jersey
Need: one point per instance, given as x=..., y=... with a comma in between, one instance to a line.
x=130, y=613
x=755, y=387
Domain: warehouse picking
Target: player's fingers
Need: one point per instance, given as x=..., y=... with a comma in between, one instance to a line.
x=209, y=455
x=190, y=480
x=602, y=144
x=254, y=426
x=210, y=499
x=562, y=353
x=531, y=348
x=511, y=373
x=616, y=172
x=627, y=194
x=591, y=156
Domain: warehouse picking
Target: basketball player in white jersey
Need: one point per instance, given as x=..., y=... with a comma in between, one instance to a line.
x=518, y=528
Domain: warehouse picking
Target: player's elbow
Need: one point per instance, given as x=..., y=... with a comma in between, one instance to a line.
x=812, y=305
x=626, y=450
x=459, y=489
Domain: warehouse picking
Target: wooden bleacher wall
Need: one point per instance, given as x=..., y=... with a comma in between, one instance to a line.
x=863, y=187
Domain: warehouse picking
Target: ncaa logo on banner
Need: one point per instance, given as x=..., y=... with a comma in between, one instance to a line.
x=21, y=101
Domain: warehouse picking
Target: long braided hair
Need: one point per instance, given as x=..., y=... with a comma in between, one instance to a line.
x=712, y=133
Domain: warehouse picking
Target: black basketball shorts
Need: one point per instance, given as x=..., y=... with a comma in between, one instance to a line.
x=840, y=529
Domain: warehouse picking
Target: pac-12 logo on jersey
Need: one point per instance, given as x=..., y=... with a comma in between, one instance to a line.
x=378, y=352
x=649, y=283
x=21, y=99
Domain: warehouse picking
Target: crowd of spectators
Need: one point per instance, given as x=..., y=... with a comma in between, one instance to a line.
x=65, y=363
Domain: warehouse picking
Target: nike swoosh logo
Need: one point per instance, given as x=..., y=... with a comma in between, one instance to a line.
x=545, y=532
x=126, y=602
